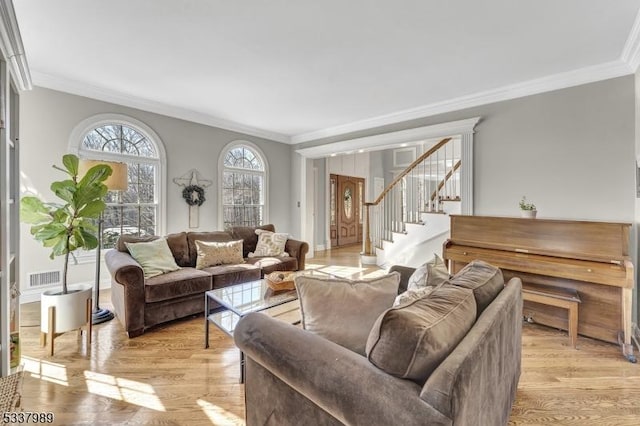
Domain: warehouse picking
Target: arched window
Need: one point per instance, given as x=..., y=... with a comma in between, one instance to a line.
x=138, y=210
x=243, y=185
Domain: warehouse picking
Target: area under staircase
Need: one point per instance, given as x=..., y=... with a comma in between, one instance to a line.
x=409, y=221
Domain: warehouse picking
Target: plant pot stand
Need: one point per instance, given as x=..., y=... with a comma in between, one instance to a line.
x=51, y=334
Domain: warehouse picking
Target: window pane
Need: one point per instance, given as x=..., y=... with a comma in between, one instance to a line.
x=124, y=215
x=242, y=193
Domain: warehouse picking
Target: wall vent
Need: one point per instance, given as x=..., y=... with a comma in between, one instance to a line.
x=42, y=279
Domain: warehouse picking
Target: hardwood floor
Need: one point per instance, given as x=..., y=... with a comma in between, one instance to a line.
x=167, y=377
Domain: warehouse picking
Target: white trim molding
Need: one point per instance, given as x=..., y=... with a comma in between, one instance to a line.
x=392, y=139
x=11, y=46
x=466, y=174
x=88, y=124
x=562, y=80
x=107, y=95
x=631, y=52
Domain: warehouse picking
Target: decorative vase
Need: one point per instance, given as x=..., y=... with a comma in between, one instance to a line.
x=70, y=309
x=531, y=214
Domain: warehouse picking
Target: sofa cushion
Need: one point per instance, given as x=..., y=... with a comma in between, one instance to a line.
x=171, y=285
x=218, y=236
x=212, y=253
x=271, y=264
x=410, y=341
x=343, y=310
x=179, y=247
x=226, y=275
x=429, y=274
x=249, y=237
x=484, y=279
x=154, y=257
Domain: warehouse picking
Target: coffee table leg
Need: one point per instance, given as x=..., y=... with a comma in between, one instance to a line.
x=206, y=321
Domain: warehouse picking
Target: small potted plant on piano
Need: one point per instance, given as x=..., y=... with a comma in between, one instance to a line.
x=527, y=209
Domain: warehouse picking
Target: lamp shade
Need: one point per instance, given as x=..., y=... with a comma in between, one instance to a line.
x=118, y=179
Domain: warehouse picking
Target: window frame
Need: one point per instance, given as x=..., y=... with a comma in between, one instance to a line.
x=87, y=125
x=265, y=173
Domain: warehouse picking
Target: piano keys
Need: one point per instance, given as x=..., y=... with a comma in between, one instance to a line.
x=589, y=257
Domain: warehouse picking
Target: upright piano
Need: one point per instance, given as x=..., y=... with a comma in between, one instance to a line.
x=591, y=258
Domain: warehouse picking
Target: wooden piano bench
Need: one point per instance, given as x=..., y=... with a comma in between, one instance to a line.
x=558, y=297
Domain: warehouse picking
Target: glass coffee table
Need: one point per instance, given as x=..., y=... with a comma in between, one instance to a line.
x=238, y=300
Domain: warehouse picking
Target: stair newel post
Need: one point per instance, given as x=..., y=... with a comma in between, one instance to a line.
x=367, y=230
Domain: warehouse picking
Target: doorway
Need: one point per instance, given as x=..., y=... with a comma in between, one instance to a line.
x=346, y=200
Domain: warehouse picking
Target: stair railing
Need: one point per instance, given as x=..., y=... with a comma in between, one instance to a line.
x=411, y=193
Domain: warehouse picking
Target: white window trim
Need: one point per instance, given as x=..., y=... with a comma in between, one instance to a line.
x=221, y=168
x=87, y=125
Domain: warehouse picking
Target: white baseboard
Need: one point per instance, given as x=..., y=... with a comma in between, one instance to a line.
x=321, y=247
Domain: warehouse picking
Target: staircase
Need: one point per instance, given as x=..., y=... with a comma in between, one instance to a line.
x=409, y=220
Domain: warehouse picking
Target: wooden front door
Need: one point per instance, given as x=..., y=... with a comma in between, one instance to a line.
x=346, y=210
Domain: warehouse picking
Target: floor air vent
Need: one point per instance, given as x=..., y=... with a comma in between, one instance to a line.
x=41, y=279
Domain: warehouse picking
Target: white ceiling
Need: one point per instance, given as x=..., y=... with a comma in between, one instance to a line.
x=295, y=70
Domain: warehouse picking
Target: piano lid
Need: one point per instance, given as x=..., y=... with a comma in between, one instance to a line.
x=598, y=241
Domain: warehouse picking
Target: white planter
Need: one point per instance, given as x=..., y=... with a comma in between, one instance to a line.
x=70, y=308
x=529, y=213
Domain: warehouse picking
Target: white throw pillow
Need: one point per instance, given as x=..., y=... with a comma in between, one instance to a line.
x=270, y=244
x=429, y=274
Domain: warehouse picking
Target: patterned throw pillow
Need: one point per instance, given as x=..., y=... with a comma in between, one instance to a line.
x=270, y=244
x=430, y=274
x=212, y=253
x=154, y=256
x=411, y=295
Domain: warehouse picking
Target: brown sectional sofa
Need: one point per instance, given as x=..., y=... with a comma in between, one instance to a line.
x=295, y=377
x=140, y=303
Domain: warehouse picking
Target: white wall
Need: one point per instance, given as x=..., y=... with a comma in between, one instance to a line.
x=46, y=121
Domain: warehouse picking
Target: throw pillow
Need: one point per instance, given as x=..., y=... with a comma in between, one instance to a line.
x=343, y=310
x=212, y=253
x=429, y=274
x=155, y=257
x=410, y=341
x=411, y=295
x=270, y=244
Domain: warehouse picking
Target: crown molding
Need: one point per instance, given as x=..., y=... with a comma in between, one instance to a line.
x=563, y=80
x=392, y=139
x=631, y=51
x=12, y=47
x=107, y=95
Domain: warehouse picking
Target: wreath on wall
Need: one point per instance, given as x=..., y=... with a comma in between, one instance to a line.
x=193, y=195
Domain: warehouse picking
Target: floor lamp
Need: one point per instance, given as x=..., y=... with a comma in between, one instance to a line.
x=116, y=182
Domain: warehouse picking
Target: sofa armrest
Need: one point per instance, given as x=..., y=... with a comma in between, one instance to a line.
x=297, y=249
x=127, y=290
x=342, y=383
x=405, y=274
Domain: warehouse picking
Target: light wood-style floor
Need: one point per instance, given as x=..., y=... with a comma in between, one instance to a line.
x=167, y=377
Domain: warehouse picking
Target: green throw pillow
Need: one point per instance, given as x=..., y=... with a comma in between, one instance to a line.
x=154, y=256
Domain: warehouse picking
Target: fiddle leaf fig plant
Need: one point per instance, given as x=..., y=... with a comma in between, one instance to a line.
x=69, y=225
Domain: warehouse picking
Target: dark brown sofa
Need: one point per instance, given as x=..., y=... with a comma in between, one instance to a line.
x=140, y=303
x=295, y=377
